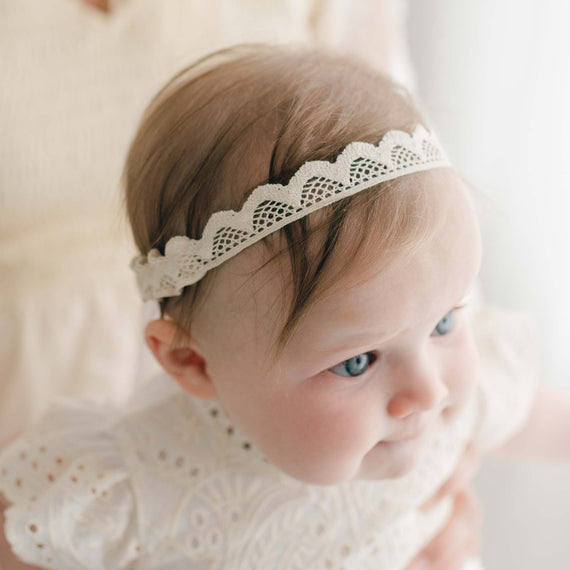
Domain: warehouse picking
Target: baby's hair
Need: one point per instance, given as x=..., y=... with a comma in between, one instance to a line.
x=252, y=115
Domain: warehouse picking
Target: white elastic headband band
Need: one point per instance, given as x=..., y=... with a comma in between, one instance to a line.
x=271, y=206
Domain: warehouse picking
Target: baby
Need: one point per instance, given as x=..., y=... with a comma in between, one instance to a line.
x=312, y=252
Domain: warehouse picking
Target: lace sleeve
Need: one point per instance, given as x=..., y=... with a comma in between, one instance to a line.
x=72, y=503
x=508, y=345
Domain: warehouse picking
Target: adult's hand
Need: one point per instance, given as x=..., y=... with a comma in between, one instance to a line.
x=460, y=539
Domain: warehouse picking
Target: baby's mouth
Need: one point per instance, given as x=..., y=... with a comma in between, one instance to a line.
x=400, y=440
x=418, y=433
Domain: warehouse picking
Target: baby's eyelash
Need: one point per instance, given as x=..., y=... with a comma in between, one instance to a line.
x=468, y=297
x=459, y=307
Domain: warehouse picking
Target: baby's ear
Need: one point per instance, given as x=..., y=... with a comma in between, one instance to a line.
x=183, y=360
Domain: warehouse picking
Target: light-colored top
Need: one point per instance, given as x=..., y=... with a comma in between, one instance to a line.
x=170, y=483
x=74, y=85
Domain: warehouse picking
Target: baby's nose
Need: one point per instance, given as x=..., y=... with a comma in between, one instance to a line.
x=422, y=389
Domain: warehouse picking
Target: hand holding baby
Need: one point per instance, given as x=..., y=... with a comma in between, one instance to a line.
x=460, y=540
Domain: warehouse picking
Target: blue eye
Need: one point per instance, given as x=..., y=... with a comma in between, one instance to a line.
x=354, y=366
x=444, y=326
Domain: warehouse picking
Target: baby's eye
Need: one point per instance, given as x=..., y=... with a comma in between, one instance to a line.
x=354, y=366
x=444, y=326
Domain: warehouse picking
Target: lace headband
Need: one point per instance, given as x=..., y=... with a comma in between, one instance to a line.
x=271, y=206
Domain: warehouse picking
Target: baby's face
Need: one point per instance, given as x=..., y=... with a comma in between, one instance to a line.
x=377, y=367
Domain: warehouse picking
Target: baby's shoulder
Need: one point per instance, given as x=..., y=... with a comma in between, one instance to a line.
x=83, y=480
x=63, y=479
x=160, y=426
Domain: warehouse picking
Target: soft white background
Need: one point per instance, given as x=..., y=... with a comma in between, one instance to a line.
x=495, y=78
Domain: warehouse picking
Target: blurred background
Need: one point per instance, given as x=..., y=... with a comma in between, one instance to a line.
x=76, y=76
x=495, y=78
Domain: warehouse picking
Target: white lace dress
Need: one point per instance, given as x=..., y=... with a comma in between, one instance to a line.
x=168, y=483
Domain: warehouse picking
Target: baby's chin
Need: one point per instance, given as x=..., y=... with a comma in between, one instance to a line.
x=391, y=471
x=393, y=460
x=321, y=479
x=367, y=471
x=323, y=474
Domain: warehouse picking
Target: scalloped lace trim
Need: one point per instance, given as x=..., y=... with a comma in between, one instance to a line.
x=272, y=206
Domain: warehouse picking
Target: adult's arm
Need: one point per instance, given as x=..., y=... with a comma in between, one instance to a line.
x=546, y=433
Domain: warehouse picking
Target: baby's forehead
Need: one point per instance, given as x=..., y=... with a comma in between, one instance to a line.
x=257, y=285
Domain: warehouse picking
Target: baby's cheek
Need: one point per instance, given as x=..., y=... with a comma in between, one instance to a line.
x=325, y=441
x=468, y=367
x=463, y=373
x=320, y=428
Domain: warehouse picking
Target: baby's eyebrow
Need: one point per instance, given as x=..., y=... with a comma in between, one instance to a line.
x=350, y=341
x=359, y=339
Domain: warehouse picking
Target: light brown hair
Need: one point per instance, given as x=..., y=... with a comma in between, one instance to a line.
x=252, y=115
